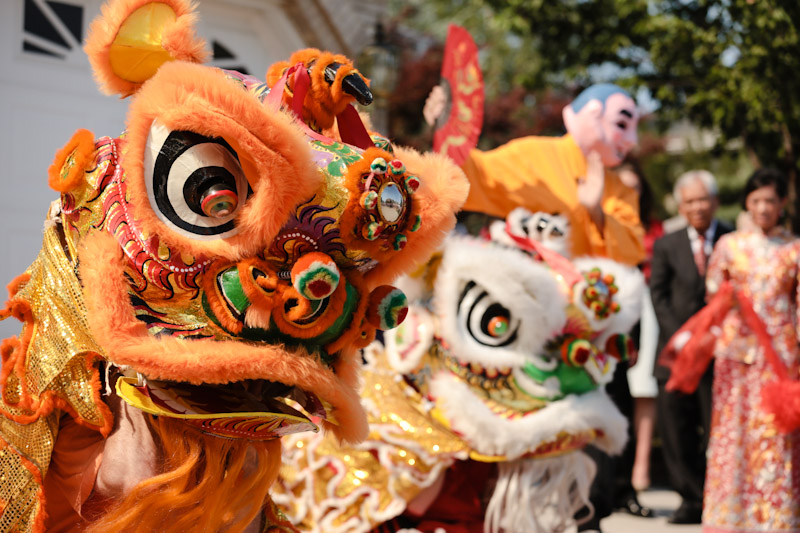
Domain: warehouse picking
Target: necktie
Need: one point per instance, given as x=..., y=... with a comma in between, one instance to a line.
x=700, y=255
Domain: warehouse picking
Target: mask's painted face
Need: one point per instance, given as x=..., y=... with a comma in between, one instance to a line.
x=508, y=340
x=609, y=129
x=619, y=122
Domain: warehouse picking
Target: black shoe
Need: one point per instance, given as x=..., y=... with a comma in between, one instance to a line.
x=687, y=514
x=632, y=506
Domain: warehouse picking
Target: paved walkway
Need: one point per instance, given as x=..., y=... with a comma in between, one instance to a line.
x=663, y=502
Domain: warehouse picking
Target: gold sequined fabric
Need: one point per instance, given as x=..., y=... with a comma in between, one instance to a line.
x=54, y=372
x=324, y=486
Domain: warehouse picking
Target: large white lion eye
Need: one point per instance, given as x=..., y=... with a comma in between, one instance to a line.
x=484, y=318
x=195, y=183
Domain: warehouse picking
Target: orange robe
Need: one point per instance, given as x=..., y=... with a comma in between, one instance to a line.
x=542, y=174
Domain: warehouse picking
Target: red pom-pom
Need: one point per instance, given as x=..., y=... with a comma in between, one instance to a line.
x=388, y=307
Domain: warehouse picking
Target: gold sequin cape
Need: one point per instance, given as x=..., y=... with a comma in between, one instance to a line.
x=324, y=486
x=52, y=368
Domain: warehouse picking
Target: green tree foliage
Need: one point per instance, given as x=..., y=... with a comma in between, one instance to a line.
x=731, y=66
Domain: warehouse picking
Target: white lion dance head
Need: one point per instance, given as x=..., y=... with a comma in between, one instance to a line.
x=506, y=349
x=511, y=344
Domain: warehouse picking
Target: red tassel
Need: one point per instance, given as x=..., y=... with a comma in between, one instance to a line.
x=782, y=399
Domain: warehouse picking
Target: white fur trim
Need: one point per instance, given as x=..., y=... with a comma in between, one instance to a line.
x=489, y=434
x=407, y=343
x=540, y=495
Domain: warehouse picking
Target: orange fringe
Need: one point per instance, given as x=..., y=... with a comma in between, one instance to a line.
x=207, y=484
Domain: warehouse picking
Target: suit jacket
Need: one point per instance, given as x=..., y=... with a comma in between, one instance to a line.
x=676, y=287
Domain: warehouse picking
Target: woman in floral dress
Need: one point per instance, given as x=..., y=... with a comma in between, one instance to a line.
x=753, y=474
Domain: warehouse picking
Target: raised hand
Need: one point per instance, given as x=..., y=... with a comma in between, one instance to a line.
x=435, y=105
x=591, y=187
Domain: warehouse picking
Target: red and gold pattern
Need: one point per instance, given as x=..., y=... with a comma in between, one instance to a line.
x=753, y=471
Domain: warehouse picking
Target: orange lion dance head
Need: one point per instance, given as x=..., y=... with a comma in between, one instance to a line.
x=211, y=274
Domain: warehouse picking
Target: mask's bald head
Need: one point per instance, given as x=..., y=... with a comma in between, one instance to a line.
x=598, y=91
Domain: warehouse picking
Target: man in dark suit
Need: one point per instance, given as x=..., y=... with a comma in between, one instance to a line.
x=677, y=286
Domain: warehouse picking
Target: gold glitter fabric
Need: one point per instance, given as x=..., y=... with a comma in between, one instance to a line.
x=50, y=368
x=327, y=487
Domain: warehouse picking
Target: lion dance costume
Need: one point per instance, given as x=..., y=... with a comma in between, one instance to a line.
x=482, y=399
x=205, y=284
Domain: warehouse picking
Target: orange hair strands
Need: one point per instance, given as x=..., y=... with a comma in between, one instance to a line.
x=209, y=484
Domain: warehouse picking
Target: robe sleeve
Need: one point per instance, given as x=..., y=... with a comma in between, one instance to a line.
x=622, y=238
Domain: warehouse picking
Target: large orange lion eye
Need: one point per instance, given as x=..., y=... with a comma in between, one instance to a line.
x=195, y=183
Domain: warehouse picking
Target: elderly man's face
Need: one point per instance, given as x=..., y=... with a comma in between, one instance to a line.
x=697, y=205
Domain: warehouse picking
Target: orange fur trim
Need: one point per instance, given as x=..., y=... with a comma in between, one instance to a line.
x=216, y=300
x=80, y=148
x=201, y=99
x=324, y=101
x=177, y=38
x=264, y=294
x=38, y=522
x=13, y=288
x=207, y=484
x=182, y=43
x=442, y=192
x=17, y=283
x=356, y=329
x=286, y=321
x=126, y=341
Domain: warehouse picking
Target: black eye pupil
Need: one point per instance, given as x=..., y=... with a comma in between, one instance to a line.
x=203, y=182
x=492, y=312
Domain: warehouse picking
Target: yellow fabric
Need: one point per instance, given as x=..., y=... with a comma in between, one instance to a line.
x=136, y=53
x=542, y=174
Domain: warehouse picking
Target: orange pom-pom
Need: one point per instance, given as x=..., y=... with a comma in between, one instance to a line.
x=66, y=172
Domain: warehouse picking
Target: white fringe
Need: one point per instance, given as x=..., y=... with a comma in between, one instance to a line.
x=540, y=495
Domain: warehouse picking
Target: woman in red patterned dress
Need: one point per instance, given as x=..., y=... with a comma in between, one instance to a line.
x=753, y=474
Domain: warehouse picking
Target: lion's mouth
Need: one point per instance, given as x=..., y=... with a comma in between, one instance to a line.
x=496, y=387
x=251, y=409
x=478, y=374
